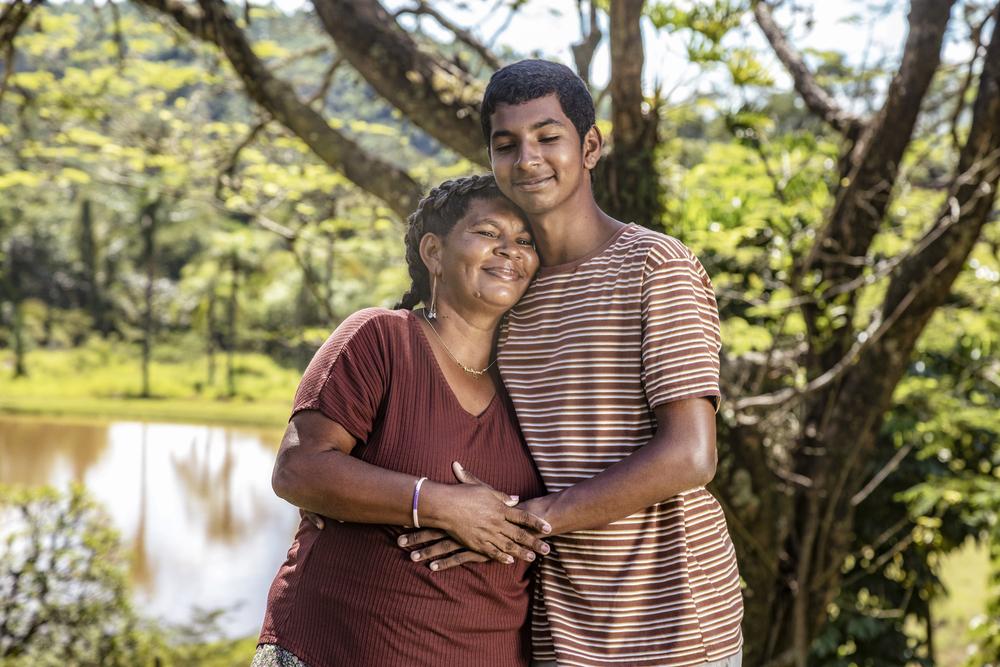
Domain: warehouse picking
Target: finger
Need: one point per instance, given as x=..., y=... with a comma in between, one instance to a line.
x=512, y=548
x=464, y=476
x=420, y=537
x=436, y=550
x=508, y=551
x=460, y=558
x=512, y=501
x=498, y=554
x=528, y=520
x=527, y=540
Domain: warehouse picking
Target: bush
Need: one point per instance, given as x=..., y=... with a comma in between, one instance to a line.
x=63, y=583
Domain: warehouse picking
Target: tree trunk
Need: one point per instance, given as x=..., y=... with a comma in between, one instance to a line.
x=17, y=335
x=804, y=498
x=234, y=267
x=89, y=258
x=627, y=183
x=210, y=335
x=147, y=223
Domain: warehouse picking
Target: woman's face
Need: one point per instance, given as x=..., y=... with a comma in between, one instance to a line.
x=487, y=259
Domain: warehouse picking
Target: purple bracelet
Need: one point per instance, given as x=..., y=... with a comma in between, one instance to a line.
x=416, y=501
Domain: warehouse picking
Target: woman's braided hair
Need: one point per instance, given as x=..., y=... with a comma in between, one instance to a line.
x=438, y=213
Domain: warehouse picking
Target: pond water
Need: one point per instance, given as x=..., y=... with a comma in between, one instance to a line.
x=193, y=505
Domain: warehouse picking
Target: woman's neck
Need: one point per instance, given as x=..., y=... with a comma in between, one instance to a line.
x=469, y=337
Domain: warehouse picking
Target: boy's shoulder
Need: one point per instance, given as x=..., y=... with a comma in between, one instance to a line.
x=650, y=246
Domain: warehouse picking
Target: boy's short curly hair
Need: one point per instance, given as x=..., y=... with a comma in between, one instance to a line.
x=530, y=79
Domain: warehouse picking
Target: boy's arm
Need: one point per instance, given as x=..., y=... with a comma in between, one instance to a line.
x=680, y=456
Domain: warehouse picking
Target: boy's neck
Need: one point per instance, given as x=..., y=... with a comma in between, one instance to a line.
x=572, y=232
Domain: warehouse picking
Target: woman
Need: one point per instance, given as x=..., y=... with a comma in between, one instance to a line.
x=385, y=407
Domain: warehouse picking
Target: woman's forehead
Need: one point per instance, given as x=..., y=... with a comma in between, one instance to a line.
x=498, y=209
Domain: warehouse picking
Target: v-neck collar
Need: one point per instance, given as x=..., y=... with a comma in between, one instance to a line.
x=429, y=350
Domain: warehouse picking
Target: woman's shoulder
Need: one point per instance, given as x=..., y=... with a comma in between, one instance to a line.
x=372, y=325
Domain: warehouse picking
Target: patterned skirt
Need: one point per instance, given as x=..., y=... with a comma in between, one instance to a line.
x=272, y=655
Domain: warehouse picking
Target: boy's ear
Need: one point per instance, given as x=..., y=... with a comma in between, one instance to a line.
x=593, y=144
x=430, y=252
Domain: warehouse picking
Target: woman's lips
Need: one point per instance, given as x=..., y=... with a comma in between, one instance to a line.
x=503, y=272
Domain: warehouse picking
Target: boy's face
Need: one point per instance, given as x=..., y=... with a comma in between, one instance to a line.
x=536, y=155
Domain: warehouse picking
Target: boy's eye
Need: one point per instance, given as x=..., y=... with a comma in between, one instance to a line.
x=526, y=242
x=547, y=140
x=501, y=149
x=486, y=232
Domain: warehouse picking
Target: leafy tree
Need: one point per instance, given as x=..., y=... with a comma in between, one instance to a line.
x=63, y=584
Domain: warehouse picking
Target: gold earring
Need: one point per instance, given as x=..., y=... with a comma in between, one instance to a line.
x=432, y=311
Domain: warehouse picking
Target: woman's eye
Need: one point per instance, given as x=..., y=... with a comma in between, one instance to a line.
x=526, y=242
x=501, y=149
x=486, y=232
x=548, y=140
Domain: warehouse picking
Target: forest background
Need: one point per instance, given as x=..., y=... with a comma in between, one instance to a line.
x=193, y=194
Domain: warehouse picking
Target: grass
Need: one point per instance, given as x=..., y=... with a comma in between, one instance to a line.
x=102, y=380
x=965, y=574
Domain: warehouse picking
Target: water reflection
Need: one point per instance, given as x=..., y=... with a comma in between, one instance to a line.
x=193, y=503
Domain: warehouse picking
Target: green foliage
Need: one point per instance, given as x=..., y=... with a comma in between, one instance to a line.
x=62, y=579
x=749, y=207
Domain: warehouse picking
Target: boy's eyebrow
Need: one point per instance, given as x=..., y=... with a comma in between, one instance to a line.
x=540, y=124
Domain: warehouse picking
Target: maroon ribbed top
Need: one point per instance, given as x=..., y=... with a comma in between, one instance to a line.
x=348, y=595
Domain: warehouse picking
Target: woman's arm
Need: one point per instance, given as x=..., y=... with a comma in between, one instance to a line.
x=314, y=471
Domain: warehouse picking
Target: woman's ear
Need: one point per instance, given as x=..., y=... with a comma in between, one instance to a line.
x=593, y=143
x=430, y=252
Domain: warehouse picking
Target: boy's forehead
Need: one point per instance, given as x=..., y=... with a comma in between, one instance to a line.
x=541, y=110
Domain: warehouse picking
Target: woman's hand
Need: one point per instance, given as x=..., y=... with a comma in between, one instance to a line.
x=482, y=519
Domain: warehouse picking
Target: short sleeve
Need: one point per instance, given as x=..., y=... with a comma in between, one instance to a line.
x=680, y=331
x=347, y=378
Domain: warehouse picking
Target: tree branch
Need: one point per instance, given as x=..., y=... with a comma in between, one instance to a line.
x=436, y=95
x=460, y=33
x=12, y=18
x=875, y=158
x=815, y=97
x=590, y=39
x=372, y=174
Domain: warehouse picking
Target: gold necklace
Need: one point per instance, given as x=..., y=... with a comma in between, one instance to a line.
x=470, y=371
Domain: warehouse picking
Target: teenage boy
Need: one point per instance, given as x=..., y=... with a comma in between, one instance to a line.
x=612, y=362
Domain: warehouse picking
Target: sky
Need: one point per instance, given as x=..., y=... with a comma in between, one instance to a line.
x=551, y=26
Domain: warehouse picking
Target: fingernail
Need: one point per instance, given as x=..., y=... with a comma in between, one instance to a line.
x=516, y=499
x=546, y=528
x=509, y=560
x=531, y=555
x=546, y=548
x=460, y=467
x=401, y=541
x=415, y=555
x=434, y=566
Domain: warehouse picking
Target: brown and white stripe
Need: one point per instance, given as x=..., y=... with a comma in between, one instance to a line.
x=586, y=355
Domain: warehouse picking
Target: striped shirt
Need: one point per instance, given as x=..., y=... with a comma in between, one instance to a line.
x=586, y=355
